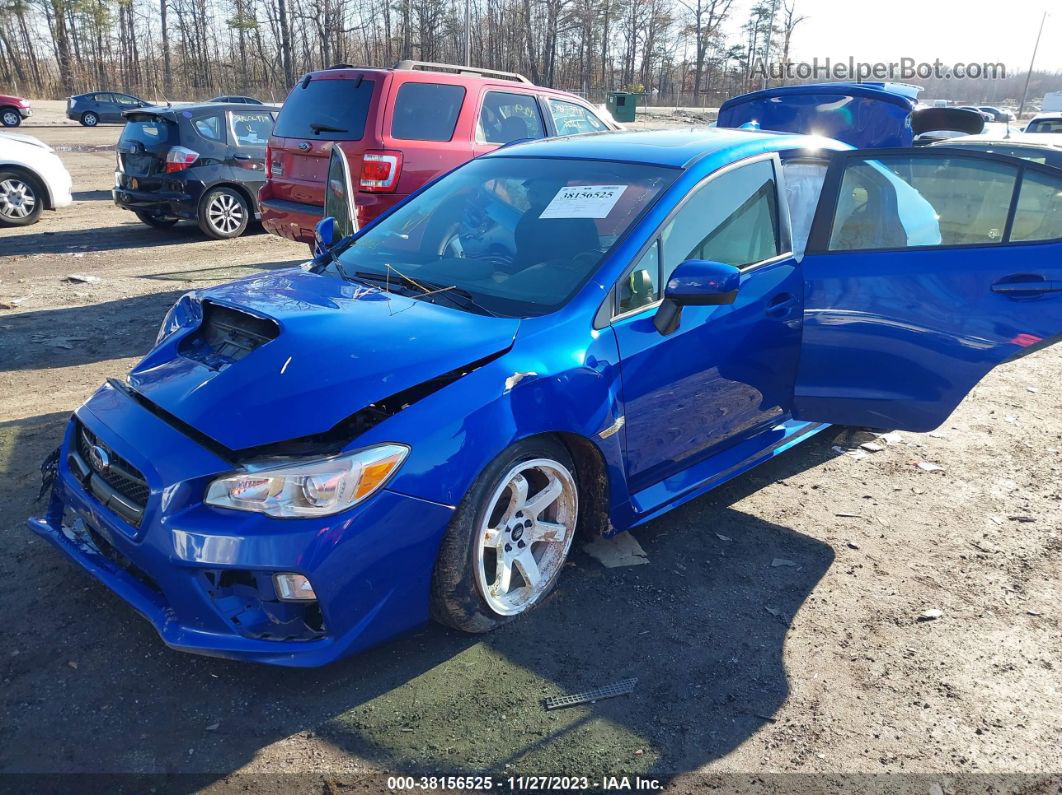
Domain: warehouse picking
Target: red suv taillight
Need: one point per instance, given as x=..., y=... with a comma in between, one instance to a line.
x=179, y=158
x=380, y=171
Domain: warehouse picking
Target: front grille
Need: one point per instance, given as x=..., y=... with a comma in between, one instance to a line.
x=114, y=481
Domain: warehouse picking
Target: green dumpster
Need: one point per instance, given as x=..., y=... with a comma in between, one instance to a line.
x=622, y=105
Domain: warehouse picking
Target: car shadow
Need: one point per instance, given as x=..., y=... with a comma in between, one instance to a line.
x=125, y=235
x=118, y=329
x=90, y=195
x=89, y=686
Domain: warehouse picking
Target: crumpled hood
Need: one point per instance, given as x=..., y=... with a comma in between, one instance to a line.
x=337, y=348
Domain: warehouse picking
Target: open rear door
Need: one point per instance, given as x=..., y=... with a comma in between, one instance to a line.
x=925, y=269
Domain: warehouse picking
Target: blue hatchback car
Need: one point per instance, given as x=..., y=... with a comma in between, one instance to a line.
x=417, y=424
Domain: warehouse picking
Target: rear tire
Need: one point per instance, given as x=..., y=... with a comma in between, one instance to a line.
x=10, y=117
x=156, y=221
x=508, y=539
x=21, y=198
x=224, y=214
x=89, y=119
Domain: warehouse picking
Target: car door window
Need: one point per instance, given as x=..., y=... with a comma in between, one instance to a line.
x=507, y=117
x=126, y=102
x=1038, y=215
x=733, y=220
x=641, y=286
x=803, y=186
x=250, y=128
x=937, y=200
x=572, y=119
x=209, y=127
x=104, y=99
x=426, y=111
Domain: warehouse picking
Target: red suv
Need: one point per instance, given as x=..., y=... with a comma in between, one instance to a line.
x=399, y=128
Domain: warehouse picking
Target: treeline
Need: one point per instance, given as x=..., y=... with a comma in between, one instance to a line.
x=187, y=49
x=679, y=52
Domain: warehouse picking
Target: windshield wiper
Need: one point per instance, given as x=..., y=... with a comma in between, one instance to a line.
x=319, y=128
x=458, y=295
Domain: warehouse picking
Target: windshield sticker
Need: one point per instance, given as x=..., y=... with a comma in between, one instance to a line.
x=584, y=201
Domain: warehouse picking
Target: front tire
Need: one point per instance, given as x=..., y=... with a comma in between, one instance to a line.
x=224, y=214
x=21, y=199
x=156, y=221
x=509, y=538
x=10, y=117
x=89, y=119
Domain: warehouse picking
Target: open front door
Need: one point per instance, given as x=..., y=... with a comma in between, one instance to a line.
x=339, y=195
x=926, y=268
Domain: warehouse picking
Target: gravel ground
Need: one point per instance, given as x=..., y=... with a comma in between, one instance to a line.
x=746, y=666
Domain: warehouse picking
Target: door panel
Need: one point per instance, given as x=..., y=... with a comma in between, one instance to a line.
x=906, y=319
x=727, y=370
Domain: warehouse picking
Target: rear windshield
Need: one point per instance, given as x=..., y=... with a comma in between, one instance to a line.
x=426, y=112
x=328, y=110
x=150, y=131
x=1045, y=126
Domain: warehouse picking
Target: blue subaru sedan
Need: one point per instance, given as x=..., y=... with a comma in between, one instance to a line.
x=564, y=338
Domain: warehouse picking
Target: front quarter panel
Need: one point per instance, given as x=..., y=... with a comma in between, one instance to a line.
x=561, y=377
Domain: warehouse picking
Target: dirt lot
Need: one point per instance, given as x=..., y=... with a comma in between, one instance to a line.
x=745, y=665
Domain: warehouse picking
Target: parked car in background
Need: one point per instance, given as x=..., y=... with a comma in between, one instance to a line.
x=203, y=163
x=32, y=179
x=99, y=107
x=13, y=110
x=399, y=128
x=1045, y=123
x=997, y=114
x=237, y=100
x=313, y=460
x=983, y=113
x=1037, y=148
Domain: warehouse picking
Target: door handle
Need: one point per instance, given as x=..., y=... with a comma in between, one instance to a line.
x=1026, y=287
x=241, y=156
x=780, y=305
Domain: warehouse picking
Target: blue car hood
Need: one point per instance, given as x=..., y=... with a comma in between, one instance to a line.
x=337, y=348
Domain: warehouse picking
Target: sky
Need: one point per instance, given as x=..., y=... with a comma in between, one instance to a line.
x=967, y=31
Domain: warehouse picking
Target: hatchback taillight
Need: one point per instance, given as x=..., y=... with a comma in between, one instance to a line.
x=179, y=158
x=380, y=171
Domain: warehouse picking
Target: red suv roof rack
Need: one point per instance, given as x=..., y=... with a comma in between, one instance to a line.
x=430, y=66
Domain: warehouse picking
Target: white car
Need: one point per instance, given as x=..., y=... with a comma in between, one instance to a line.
x=32, y=179
x=1045, y=123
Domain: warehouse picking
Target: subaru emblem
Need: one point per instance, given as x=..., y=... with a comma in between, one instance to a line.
x=304, y=146
x=99, y=459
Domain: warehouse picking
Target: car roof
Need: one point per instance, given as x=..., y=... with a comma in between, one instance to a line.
x=177, y=107
x=670, y=148
x=1055, y=114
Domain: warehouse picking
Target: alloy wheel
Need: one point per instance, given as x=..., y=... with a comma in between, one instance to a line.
x=225, y=213
x=524, y=537
x=17, y=199
x=10, y=118
x=90, y=119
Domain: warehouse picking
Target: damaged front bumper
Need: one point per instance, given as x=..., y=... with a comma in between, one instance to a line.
x=203, y=576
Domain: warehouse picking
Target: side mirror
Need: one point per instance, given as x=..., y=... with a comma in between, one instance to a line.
x=324, y=235
x=696, y=282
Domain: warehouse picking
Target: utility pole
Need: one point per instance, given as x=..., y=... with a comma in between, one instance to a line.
x=468, y=32
x=1028, y=76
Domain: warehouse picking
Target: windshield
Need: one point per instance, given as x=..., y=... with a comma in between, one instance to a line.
x=517, y=235
x=1045, y=126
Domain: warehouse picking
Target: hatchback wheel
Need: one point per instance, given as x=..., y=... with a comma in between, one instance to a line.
x=157, y=221
x=10, y=117
x=223, y=213
x=21, y=199
x=89, y=119
x=509, y=538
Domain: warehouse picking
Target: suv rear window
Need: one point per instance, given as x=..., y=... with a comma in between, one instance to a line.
x=426, y=111
x=328, y=110
x=150, y=131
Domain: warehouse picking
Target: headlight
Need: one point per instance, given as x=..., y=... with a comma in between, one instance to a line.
x=318, y=487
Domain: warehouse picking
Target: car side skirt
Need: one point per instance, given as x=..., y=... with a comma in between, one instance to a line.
x=673, y=491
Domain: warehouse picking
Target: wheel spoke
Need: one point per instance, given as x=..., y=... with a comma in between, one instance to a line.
x=492, y=537
x=544, y=498
x=528, y=567
x=517, y=497
x=503, y=577
x=548, y=531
